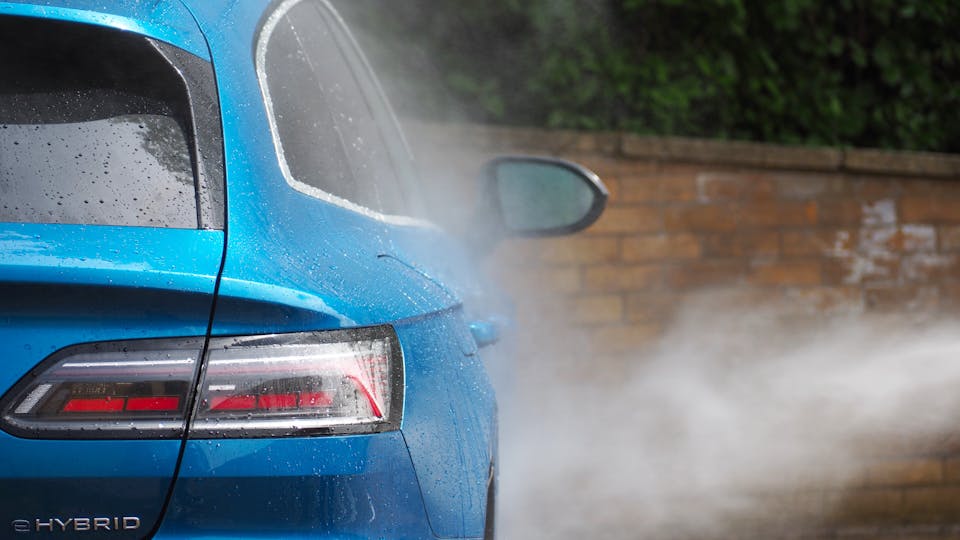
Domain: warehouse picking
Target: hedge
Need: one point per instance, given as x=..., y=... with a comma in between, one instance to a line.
x=865, y=73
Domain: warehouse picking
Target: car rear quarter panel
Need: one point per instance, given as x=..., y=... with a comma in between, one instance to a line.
x=295, y=263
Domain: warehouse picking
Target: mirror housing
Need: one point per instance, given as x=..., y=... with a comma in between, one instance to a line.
x=531, y=196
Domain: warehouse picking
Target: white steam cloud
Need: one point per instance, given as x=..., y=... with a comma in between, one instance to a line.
x=720, y=429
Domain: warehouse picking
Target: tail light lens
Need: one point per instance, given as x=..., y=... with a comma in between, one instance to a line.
x=286, y=384
x=345, y=381
x=135, y=389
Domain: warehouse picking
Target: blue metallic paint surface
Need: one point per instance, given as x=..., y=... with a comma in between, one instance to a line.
x=357, y=486
x=67, y=284
x=166, y=20
x=43, y=479
x=293, y=263
x=448, y=423
x=178, y=259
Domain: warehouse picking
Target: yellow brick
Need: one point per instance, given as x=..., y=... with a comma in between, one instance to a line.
x=787, y=273
x=579, y=249
x=952, y=469
x=627, y=219
x=658, y=247
x=904, y=472
x=710, y=218
x=596, y=309
x=930, y=209
x=826, y=299
x=949, y=238
x=615, y=278
x=704, y=274
x=624, y=338
x=742, y=244
x=865, y=507
x=817, y=242
x=564, y=280
x=932, y=505
x=643, y=189
x=645, y=308
x=678, y=183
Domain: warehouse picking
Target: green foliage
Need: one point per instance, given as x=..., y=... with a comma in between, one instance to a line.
x=872, y=73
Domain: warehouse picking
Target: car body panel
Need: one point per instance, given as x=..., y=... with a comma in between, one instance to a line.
x=46, y=480
x=346, y=487
x=166, y=20
x=66, y=284
x=135, y=257
x=448, y=423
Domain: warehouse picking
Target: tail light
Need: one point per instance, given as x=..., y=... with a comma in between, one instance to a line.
x=344, y=381
x=328, y=382
x=134, y=389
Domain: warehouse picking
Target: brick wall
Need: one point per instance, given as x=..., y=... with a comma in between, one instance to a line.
x=853, y=232
x=857, y=231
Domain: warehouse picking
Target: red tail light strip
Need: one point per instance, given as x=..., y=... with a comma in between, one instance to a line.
x=160, y=403
x=94, y=405
x=233, y=403
x=119, y=404
x=303, y=400
x=277, y=401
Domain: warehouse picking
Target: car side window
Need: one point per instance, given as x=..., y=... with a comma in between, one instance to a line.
x=329, y=141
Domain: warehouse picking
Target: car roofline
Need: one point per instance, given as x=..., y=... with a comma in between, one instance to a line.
x=182, y=32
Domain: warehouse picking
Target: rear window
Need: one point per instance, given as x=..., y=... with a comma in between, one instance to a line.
x=95, y=128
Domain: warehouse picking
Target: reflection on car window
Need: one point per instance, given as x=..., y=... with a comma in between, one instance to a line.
x=328, y=136
x=92, y=129
x=124, y=170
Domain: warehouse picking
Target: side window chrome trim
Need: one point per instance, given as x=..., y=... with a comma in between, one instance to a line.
x=260, y=60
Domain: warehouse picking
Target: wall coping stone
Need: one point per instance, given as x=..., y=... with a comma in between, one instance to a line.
x=693, y=150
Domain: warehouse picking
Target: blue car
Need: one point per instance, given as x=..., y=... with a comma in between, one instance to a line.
x=223, y=311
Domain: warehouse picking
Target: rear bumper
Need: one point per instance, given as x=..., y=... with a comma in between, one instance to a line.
x=334, y=487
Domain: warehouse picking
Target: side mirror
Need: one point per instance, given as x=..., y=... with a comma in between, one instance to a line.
x=538, y=196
